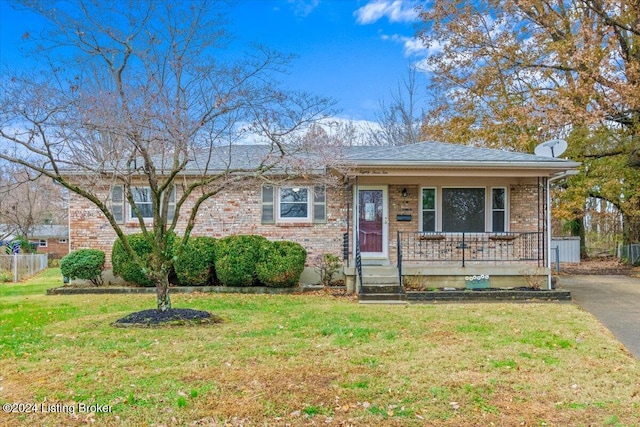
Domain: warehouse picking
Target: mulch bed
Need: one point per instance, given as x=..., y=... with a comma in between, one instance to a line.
x=171, y=317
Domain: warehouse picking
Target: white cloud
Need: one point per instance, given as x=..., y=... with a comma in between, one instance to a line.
x=412, y=46
x=393, y=10
x=303, y=8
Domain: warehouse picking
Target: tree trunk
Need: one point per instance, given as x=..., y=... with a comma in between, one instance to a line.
x=162, y=291
x=583, y=239
x=576, y=227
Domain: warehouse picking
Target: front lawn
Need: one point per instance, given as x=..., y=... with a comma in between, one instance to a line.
x=309, y=360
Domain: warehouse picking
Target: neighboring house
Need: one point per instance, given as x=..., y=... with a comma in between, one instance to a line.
x=50, y=239
x=442, y=212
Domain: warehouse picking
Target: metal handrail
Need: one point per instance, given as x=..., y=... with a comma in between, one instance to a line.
x=399, y=250
x=359, y=264
x=469, y=247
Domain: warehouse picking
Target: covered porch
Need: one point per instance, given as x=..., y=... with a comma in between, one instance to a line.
x=435, y=215
x=395, y=236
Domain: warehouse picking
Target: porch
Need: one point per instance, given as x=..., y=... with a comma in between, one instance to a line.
x=426, y=260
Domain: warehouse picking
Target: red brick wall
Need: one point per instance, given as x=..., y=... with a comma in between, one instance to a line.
x=526, y=208
x=232, y=211
x=399, y=205
x=54, y=248
x=238, y=211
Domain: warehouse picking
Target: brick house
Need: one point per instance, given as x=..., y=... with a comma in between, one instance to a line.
x=50, y=239
x=437, y=212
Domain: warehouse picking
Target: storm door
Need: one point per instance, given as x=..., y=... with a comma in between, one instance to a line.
x=372, y=221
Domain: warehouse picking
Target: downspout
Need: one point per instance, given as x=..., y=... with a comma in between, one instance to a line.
x=554, y=178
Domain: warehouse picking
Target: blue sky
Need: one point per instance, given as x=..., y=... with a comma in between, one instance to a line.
x=355, y=51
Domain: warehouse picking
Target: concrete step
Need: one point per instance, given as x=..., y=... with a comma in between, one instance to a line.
x=380, y=275
x=379, y=270
x=380, y=280
x=382, y=297
x=381, y=288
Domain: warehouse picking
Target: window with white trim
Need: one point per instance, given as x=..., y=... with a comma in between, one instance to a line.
x=62, y=241
x=268, y=213
x=293, y=204
x=117, y=203
x=428, y=209
x=142, y=199
x=319, y=204
x=498, y=209
x=42, y=243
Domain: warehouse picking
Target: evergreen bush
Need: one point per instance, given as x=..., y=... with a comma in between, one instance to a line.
x=195, y=265
x=85, y=264
x=281, y=264
x=236, y=258
x=125, y=267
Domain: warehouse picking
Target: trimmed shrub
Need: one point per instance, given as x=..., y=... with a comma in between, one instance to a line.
x=282, y=264
x=85, y=264
x=195, y=265
x=236, y=258
x=125, y=267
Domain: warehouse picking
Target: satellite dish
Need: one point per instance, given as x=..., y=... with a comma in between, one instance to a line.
x=552, y=148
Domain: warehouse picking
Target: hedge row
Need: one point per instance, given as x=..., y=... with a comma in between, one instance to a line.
x=243, y=260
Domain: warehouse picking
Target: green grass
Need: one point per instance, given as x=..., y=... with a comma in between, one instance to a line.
x=311, y=359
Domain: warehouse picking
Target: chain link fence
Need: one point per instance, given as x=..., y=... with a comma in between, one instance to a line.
x=20, y=266
x=630, y=253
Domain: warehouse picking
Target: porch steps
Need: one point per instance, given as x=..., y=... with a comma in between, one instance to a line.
x=380, y=285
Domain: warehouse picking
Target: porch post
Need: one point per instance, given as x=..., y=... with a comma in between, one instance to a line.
x=356, y=237
x=549, y=180
x=347, y=248
x=548, y=237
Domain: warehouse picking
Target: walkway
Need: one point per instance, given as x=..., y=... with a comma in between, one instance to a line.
x=614, y=300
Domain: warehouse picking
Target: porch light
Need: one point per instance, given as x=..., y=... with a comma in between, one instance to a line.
x=404, y=192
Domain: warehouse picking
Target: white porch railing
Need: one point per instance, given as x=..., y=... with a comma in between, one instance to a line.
x=20, y=266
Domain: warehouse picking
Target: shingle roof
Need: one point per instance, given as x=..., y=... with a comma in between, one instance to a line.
x=423, y=154
x=50, y=232
x=436, y=152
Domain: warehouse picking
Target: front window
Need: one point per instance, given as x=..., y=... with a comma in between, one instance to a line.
x=463, y=209
x=294, y=203
x=286, y=204
x=428, y=209
x=42, y=243
x=142, y=200
x=498, y=209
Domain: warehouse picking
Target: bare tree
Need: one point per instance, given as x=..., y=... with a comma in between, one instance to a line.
x=140, y=95
x=399, y=122
x=27, y=200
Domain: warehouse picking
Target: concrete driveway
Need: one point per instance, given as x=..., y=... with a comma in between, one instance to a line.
x=614, y=300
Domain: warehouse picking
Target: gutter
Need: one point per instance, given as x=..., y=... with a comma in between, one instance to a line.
x=447, y=164
x=556, y=177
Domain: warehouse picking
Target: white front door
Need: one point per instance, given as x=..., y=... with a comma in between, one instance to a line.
x=372, y=221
